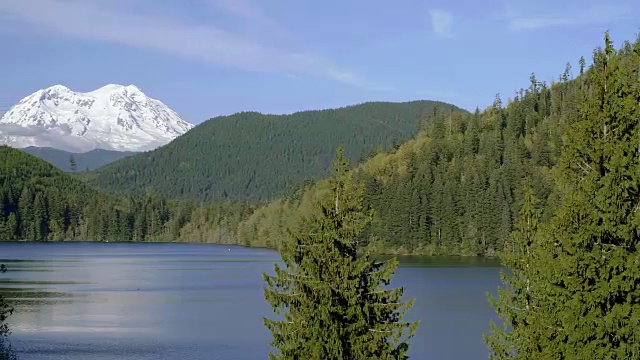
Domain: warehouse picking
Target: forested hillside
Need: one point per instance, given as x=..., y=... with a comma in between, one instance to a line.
x=457, y=186
x=39, y=202
x=251, y=156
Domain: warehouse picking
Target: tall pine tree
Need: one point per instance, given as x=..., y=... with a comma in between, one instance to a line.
x=73, y=166
x=595, y=278
x=334, y=302
x=587, y=280
x=516, y=303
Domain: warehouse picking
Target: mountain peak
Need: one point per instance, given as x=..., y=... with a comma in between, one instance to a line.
x=57, y=88
x=126, y=91
x=133, y=87
x=112, y=117
x=114, y=87
x=110, y=87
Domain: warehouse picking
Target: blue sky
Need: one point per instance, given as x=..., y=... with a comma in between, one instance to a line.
x=214, y=57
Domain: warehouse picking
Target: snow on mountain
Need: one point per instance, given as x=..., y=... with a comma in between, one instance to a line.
x=113, y=117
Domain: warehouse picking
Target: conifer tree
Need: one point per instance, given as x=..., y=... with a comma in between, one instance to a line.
x=594, y=279
x=586, y=294
x=516, y=303
x=73, y=166
x=334, y=302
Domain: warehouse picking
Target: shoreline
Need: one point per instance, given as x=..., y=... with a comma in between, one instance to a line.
x=376, y=252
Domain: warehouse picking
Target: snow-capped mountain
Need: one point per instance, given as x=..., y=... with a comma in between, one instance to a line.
x=113, y=117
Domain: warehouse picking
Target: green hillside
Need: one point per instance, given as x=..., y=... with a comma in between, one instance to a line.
x=457, y=186
x=251, y=156
x=39, y=202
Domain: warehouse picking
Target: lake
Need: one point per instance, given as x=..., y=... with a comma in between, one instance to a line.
x=98, y=301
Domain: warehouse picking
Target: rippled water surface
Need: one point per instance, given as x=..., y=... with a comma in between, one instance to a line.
x=186, y=301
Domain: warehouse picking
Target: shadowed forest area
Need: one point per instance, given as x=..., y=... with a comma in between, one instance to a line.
x=256, y=157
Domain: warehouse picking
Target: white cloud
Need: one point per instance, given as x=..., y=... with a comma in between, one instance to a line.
x=441, y=23
x=597, y=14
x=355, y=80
x=209, y=43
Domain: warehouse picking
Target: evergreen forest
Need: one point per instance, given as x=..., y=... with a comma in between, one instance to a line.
x=455, y=188
x=255, y=157
x=573, y=286
x=38, y=202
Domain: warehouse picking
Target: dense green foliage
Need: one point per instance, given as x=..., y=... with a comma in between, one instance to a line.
x=89, y=160
x=251, y=156
x=335, y=303
x=583, y=300
x=39, y=202
x=516, y=303
x=456, y=187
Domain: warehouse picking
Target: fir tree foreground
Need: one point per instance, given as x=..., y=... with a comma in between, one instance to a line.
x=334, y=302
x=574, y=288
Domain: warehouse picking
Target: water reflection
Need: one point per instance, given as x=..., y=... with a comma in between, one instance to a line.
x=136, y=301
x=6, y=350
x=97, y=301
x=27, y=295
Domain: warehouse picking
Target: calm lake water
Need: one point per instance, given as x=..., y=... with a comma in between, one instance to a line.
x=98, y=301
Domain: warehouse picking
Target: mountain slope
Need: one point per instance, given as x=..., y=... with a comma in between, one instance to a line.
x=113, y=117
x=89, y=160
x=251, y=156
x=36, y=197
x=41, y=203
x=456, y=188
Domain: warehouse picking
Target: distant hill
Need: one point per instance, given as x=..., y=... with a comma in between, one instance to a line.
x=38, y=200
x=256, y=157
x=454, y=189
x=41, y=203
x=89, y=160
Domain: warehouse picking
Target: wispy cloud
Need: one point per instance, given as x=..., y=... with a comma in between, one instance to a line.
x=259, y=50
x=356, y=80
x=441, y=23
x=596, y=14
x=254, y=20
